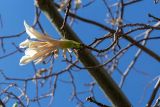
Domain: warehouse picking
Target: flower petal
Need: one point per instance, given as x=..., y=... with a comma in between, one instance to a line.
x=34, y=55
x=24, y=44
x=25, y=60
x=38, y=50
x=36, y=44
x=30, y=52
x=39, y=60
x=35, y=34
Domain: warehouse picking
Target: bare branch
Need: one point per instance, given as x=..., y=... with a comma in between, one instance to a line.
x=110, y=87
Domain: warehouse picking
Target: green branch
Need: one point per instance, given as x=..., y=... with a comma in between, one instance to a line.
x=107, y=84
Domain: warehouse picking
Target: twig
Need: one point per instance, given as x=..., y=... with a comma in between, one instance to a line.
x=66, y=14
x=154, y=93
x=132, y=63
x=150, y=15
x=132, y=2
x=92, y=100
x=157, y=103
x=125, y=36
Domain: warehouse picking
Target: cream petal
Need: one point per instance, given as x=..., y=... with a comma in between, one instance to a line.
x=31, y=44
x=39, y=60
x=32, y=32
x=40, y=54
x=35, y=34
x=30, y=52
x=40, y=49
x=28, y=58
x=25, y=60
x=36, y=44
x=24, y=44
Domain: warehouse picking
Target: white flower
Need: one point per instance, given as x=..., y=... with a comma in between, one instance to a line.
x=42, y=46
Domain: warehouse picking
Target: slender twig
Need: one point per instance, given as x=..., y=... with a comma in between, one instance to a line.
x=125, y=36
x=66, y=14
x=132, y=63
x=154, y=93
x=157, y=103
x=90, y=99
x=9, y=54
x=109, y=9
x=132, y=2
x=150, y=15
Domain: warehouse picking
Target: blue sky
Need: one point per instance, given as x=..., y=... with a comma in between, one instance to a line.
x=13, y=15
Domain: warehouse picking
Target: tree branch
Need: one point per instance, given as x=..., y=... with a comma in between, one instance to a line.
x=107, y=84
x=126, y=37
